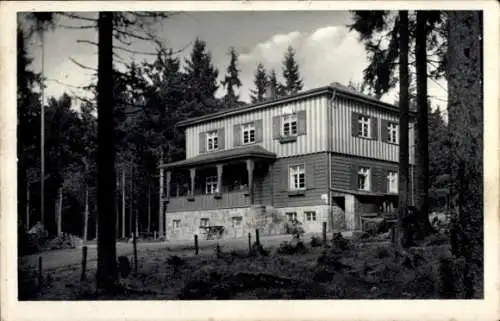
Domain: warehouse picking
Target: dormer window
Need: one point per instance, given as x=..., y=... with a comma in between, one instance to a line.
x=212, y=141
x=289, y=125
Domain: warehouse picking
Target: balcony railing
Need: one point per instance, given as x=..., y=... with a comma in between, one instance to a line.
x=208, y=202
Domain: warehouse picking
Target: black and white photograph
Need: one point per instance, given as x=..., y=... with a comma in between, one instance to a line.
x=251, y=154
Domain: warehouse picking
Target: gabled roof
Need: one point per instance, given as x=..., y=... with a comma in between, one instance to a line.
x=333, y=90
x=252, y=151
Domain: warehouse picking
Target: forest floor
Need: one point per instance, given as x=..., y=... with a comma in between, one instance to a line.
x=361, y=269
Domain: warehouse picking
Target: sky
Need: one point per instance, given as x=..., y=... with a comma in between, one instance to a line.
x=326, y=51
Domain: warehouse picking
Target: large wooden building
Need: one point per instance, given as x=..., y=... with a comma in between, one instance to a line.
x=328, y=154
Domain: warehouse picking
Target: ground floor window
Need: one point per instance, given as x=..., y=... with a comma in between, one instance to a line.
x=237, y=221
x=297, y=177
x=310, y=216
x=177, y=224
x=204, y=222
x=392, y=182
x=291, y=216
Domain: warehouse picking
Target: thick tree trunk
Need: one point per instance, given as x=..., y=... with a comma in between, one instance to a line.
x=422, y=131
x=106, y=242
x=123, y=204
x=465, y=114
x=131, y=205
x=27, y=207
x=59, y=211
x=402, y=238
x=86, y=213
x=161, y=207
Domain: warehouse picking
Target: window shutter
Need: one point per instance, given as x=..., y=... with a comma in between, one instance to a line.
x=384, y=133
x=221, y=138
x=202, y=142
x=237, y=135
x=285, y=178
x=354, y=176
x=354, y=124
x=258, y=131
x=309, y=175
x=374, y=125
x=301, y=123
x=276, y=127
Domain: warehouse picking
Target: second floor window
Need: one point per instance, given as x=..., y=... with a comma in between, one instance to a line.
x=364, y=179
x=211, y=185
x=364, y=127
x=392, y=182
x=297, y=178
x=248, y=133
x=393, y=130
x=289, y=125
x=212, y=140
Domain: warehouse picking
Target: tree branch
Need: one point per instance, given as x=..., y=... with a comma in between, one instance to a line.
x=82, y=65
x=135, y=51
x=74, y=16
x=77, y=27
x=132, y=35
x=88, y=42
x=67, y=85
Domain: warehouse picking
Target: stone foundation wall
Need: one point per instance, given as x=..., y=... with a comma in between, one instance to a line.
x=269, y=220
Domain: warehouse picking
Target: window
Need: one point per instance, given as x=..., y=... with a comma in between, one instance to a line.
x=310, y=216
x=393, y=130
x=211, y=185
x=364, y=179
x=364, y=127
x=392, y=182
x=297, y=178
x=289, y=125
x=177, y=224
x=291, y=216
x=237, y=221
x=248, y=133
x=204, y=222
x=212, y=140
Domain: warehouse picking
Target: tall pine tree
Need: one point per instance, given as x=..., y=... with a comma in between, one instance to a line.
x=291, y=75
x=275, y=88
x=232, y=81
x=260, y=82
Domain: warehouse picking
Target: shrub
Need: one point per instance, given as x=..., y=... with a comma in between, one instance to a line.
x=293, y=247
x=339, y=242
x=316, y=241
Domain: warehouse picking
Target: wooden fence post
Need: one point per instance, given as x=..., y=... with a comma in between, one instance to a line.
x=40, y=271
x=135, y=252
x=196, y=244
x=257, y=237
x=249, y=242
x=324, y=234
x=84, y=263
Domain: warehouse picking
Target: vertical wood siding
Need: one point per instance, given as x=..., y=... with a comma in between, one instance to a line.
x=314, y=141
x=344, y=142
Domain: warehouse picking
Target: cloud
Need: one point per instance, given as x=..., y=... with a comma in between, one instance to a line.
x=325, y=55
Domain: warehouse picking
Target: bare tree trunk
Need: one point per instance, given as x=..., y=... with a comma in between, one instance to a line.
x=123, y=204
x=86, y=213
x=136, y=223
x=59, y=211
x=27, y=207
x=403, y=129
x=465, y=114
x=106, y=242
x=160, y=208
x=131, y=203
x=149, y=208
x=422, y=131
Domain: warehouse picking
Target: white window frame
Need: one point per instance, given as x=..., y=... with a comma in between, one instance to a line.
x=310, y=216
x=365, y=171
x=393, y=133
x=364, y=126
x=291, y=216
x=290, y=120
x=204, y=222
x=176, y=224
x=248, y=129
x=212, y=140
x=392, y=182
x=294, y=177
x=211, y=185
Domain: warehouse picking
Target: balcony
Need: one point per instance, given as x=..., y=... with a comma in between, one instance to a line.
x=209, y=201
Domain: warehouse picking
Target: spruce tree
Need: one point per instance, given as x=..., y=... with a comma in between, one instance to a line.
x=276, y=88
x=232, y=81
x=260, y=81
x=291, y=75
